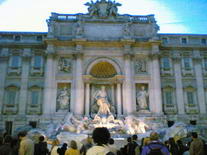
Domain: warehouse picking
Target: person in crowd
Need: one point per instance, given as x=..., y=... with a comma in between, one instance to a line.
x=187, y=152
x=63, y=148
x=41, y=147
x=73, y=150
x=5, y=149
x=196, y=146
x=173, y=148
x=1, y=141
x=111, y=146
x=205, y=146
x=126, y=148
x=54, y=147
x=145, y=141
x=136, y=150
x=26, y=145
x=87, y=145
x=181, y=148
x=133, y=147
x=155, y=146
x=15, y=146
x=100, y=137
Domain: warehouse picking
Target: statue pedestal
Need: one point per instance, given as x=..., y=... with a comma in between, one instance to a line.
x=144, y=112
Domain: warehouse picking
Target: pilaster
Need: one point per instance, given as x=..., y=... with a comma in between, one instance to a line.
x=49, y=84
x=3, y=72
x=118, y=99
x=199, y=81
x=87, y=99
x=79, y=86
x=178, y=83
x=24, y=81
x=128, y=105
x=156, y=80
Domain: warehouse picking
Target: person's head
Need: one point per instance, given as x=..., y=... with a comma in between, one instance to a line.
x=111, y=141
x=7, y=139
x=65, y=145
x=154, y=136
x=134, y=137
x=129, y=139
x=41, y=138
x=146, y=141
x=101, y=135
x=171, y=141
x=179, y=142
x=22, y=134
x=194, y=135
x=73, y=144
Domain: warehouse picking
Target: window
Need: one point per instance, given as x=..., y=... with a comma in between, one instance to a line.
x=187, y=65
x=11, y=97
x=15, y=61
x=205, y=64
x=39, y=38
x=193, y=122
x=168, y=96
x=33, y=124
x=165, y=40
x=37, y=61
x=166, y=63
x=170, y=123
x=8, y=127
x=17, y=38
x=184, y=40
x=203, y=41
x=34, y=97
x=190, y=98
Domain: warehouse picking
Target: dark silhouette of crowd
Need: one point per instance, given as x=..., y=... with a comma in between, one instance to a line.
x=101, y=143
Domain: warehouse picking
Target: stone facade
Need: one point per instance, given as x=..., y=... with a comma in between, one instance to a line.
x=43, y=76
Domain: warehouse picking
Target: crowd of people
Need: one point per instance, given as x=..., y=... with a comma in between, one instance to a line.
x=101, y=143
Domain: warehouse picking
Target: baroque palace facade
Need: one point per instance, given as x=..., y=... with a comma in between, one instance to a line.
x=43, y=76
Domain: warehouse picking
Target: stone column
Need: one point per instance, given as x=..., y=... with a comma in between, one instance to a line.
x=199, y=82
x=118, y=99
x=49, y=82
x=156, y=81
x=179, y=84
x=24, y=81
x=127, y=106
x=79, y=99
x=87, y=99
x=112, y=94
x=3, y=72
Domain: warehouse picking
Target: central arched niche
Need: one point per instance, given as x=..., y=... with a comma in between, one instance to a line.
x=103, y=69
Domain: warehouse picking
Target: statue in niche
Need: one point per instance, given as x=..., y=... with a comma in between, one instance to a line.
x=142, y=98
x=126, y=31
x=140, y=66
x=64, y=65
x=79, y=28
x=63, y=99
x=102, y=101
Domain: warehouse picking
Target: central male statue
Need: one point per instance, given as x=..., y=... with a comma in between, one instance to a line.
x=102, y=101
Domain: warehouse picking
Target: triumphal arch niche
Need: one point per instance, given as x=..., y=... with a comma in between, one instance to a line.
x=102, y=55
